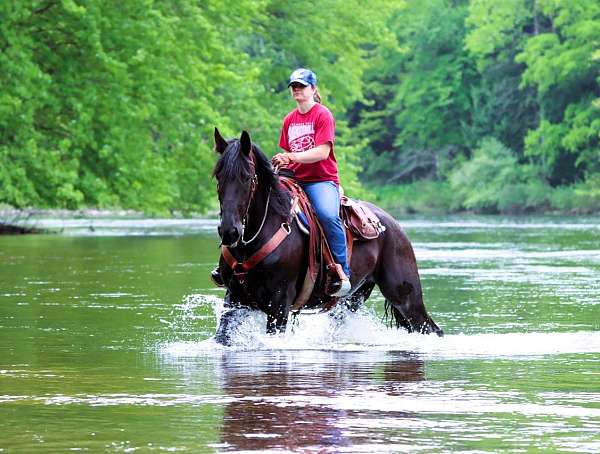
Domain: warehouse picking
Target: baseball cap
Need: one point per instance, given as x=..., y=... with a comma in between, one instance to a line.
x=303, y=76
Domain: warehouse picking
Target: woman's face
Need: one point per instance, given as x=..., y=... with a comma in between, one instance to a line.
x=302, y=93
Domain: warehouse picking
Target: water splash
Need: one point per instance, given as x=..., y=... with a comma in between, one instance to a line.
x=188, y=319
x=365, y=331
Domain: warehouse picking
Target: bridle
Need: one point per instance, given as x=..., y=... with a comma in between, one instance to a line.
x=240, y=268
x=251, y=193
x=244, y=242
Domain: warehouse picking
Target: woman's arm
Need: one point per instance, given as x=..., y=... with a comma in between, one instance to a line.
x=309, y=156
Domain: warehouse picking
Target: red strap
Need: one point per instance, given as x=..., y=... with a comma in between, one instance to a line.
x=259, y=255
x=230, y=259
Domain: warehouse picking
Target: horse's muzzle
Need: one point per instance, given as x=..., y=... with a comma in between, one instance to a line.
x=230, y=236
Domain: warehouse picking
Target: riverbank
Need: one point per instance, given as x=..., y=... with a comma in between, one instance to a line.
x=102, y=222
x=441, y=198
x=15, y=221
x=432, y=199
x=9, y=229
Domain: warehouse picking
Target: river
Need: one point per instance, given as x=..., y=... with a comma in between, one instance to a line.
x=106, y=328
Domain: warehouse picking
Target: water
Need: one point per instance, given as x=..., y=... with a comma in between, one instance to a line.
x=105, y=346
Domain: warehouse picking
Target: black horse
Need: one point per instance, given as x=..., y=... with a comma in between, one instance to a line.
x=255, y=206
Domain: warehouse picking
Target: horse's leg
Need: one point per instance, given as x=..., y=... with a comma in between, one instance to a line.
x=352, y=303
x=277, y=320
x=405, y=300
x=230, y=320
x=399, y=282
x=279, y=309
x=359, y=296
x=276, y=323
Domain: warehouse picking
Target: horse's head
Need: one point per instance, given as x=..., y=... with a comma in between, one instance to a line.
x=236, y=183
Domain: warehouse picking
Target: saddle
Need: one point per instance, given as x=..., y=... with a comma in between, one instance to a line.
x=359, y=219
x=361, y=224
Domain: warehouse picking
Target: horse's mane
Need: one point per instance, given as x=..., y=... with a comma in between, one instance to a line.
x=232, y=166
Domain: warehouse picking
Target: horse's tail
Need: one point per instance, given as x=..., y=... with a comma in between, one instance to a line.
x=394, y=317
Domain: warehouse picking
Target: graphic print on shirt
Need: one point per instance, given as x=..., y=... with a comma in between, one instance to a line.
x=301, y=136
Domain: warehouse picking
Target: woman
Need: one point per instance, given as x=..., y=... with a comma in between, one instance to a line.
x=307, y=138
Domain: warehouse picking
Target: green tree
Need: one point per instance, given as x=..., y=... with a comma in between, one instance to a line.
x=562, y=65
x=502, y=108
x=492, y=181
x=419, y=93
x=113, y=104
x=102, y=104
x=549, y=44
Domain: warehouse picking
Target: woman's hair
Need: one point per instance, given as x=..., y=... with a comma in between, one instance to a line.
x=317, y=95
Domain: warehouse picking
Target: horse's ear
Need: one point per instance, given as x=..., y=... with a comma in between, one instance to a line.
x=245, y=142
x=220, y=142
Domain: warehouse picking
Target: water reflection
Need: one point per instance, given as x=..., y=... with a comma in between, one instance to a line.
x=289, y=400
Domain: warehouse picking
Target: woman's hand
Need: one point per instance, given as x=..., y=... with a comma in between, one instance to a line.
x=282, y=159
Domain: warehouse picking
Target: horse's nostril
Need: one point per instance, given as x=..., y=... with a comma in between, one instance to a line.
x=229, y=236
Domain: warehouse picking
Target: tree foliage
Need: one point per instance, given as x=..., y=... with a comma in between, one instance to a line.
x=466, y=79
x=112, y=104
x=417, y=93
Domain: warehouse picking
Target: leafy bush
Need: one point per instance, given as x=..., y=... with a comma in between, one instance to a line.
x=427, y=197
x=493, y=181
x=582, y=197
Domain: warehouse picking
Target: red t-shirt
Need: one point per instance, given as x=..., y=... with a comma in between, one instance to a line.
x=302, y=132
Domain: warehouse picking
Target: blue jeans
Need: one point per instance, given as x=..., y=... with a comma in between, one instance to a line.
x=325, y=199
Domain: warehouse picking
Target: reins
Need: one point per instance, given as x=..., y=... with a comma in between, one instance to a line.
x=245, y=243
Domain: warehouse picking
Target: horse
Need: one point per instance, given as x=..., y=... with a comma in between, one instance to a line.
x=255, y=207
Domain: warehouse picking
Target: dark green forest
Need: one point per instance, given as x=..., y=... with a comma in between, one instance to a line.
x=441, y=106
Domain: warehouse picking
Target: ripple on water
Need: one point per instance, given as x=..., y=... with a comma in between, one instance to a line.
x=353, y=387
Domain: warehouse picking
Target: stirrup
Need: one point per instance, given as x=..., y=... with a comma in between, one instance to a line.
x=344, y=289
x=340, y=284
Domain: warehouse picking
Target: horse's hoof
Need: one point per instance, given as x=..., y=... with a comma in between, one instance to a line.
x=435, y=330
x=223, y=340
x=229, y=323
x=432, y=329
